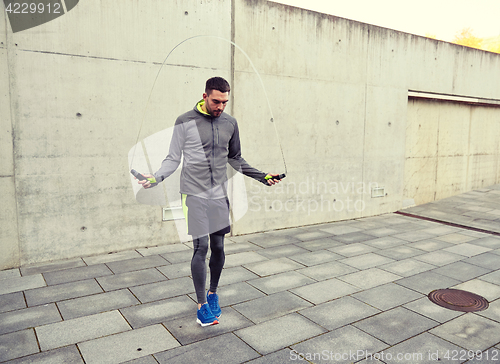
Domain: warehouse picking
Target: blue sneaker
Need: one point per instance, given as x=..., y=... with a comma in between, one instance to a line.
x=205, y=317
x=213, y=302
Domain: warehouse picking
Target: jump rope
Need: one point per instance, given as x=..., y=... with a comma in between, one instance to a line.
x=140, y=176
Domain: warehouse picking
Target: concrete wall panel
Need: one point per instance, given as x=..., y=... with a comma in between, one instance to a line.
x=142, y=31
x=337, y=89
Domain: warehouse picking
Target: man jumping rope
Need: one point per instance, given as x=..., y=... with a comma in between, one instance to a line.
x=208, y=140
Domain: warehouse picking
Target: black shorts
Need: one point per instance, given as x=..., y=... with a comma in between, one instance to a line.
x=204, y=216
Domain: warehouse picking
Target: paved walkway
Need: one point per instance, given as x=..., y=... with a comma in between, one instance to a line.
x=340, y=292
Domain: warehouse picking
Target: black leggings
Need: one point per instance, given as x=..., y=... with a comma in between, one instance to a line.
x=198, y=265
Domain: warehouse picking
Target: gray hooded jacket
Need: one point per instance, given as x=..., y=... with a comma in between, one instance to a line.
x=207, y=144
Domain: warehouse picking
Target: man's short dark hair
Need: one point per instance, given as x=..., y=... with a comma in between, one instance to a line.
x=217, y=83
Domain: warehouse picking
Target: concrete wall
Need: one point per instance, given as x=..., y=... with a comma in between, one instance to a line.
x=73, y=94
x=451, y=148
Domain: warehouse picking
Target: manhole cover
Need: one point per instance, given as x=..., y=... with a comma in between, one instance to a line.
x=458, y=300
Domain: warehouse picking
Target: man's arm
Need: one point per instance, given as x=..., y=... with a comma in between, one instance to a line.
x=241, y=165
x=172, y=160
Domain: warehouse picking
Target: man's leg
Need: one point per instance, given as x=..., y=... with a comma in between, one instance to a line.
x=217, y=259
x=204, y=315
x=199, y=268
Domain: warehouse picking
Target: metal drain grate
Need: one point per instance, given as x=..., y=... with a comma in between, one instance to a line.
x=458, y=300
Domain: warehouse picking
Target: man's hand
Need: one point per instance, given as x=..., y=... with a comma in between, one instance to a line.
x=145, y=183
x=270, y=180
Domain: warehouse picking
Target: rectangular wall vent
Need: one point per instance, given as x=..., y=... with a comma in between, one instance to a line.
x=172, y=213
x=378, y=192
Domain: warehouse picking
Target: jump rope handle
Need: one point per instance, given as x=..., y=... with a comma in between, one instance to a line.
x=275, y=178
x=141, y=177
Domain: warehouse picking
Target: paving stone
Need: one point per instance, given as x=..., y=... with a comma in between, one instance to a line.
x=282, y=251
x=441, y=230
x=341, y=230
x=337, y=313
x=387, y=296
x=313, y=245
x=231, y=248
x=176, y=270
x=407, y=267
x=409, y=226
x=493, y=277
x=17, y=344
x=268, y=307
x=430, y=245
x=369, y=278
x=439, y=258
x=455, y=238
x=366, y=261
x=28, y=317
x=462, y=271
x=129, y=265
x=186, y=330
x=327, y=270
x=280, y=282
x=351, y=344
x=427, y=282
x=131, y=279
x=395, y=325
x=163, y=249
x=66, y=355
x=150, y=359
x=51, y=266
x=159, y=311
x=413, y=236
x=96, y=303
x=18, y=284
x=125, y=346
x=382, y=231
x=224, y=349
x=429, y=309
x=278, y=357
x=325, y=290
x=273, y=266
x=178, y=257
x=266, y=241
x=278, y=333
x=12, y=301
x=400, y=252
x=76, y=274
x=10, y=273
x=488, y=290
x=385, y=242
x=466, y=249
x=237, y=293
x=312, y=235
x=106, y=258
x=40, y=296
x=352, y=250
x=492, y=312
x=488, y=242
x=485, y=260
x=315, y=257
x=235, y=275
x=164, y=289
x=423, y=349
x=470, y=331
x=353, y=238
x=80, y=329
x=233, y=260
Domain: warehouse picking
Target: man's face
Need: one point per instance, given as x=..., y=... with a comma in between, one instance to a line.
x=215, y=103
